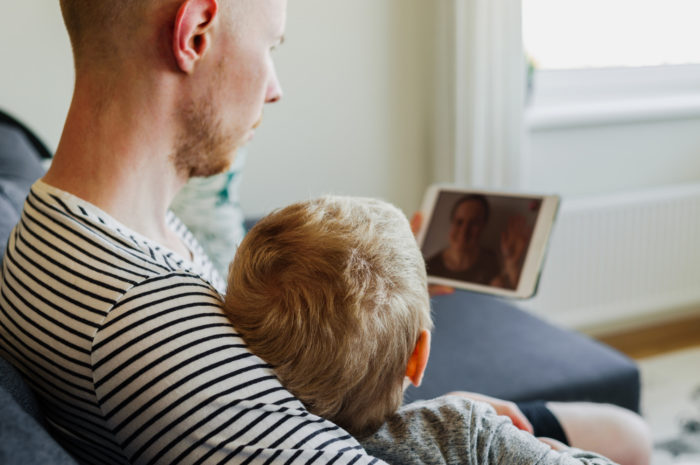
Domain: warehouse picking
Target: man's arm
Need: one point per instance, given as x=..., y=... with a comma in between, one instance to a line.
x=177, y=385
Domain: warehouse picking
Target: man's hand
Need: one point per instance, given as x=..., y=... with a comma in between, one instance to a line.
x=502, y=407
x=416, y=222
x=554, y=444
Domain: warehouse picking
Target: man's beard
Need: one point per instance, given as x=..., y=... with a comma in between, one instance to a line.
x=203, y=147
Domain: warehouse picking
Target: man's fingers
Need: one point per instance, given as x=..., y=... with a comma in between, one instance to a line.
x=437, y=289
x=416, y=222
x=521, y=422
x=554, y=444
x=512, y=411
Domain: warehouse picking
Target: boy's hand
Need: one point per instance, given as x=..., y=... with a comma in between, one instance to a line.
x=502, y=407
x=433, y=289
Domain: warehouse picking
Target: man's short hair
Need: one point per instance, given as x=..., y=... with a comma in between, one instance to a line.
x=103, y=30
x=472, y=198
x=95, y=27
x=333, y=294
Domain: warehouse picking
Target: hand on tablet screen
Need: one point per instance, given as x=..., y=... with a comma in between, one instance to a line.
x=514, y=241
x=433, y=289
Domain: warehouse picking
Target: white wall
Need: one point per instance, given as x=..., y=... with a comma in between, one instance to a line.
x=588, y=160
x=620, y=129
x=37, y=67
x=355, y=118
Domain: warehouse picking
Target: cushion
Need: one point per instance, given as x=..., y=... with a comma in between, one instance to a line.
x=24, y=440
x=8, y=218
x=13, y=385
x=19, y=160
x=210, y=208
x=487, y=345
x=20, y=166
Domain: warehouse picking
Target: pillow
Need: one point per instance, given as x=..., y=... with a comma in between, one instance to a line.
x=24, y=439
x=210, y=208
x=19, y=160
x=8, y=219
x=20, y=166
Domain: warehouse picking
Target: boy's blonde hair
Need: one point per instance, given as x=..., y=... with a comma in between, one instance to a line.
x=333, y=294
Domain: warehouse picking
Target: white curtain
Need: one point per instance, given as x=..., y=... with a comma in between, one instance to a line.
x=490, y=81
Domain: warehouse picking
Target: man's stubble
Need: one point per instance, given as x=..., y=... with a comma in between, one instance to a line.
x=204, y=147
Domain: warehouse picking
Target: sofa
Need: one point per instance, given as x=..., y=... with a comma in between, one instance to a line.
x=24, y=437
x=480, y=343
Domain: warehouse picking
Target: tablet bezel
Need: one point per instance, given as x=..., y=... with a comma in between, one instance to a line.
x=536, y=251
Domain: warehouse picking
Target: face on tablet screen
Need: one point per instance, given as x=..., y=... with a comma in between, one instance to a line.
x=479, y=238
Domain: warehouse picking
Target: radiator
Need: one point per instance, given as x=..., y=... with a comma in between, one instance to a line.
x=622, y=260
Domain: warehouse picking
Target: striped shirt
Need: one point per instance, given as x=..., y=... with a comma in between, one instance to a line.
x=133, y=361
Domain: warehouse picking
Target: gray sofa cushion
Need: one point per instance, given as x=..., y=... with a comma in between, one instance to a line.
x=487, y=345
x=8, y=217
x=20, y=166
x=19, y=159
x=24, y=440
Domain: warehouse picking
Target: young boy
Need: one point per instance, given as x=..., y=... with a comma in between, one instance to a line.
x=332, y=293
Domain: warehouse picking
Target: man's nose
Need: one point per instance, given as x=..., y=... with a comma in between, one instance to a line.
x=274, y=89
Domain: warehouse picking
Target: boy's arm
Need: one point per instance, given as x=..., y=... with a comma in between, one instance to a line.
x=502, y=407
x=457, y=431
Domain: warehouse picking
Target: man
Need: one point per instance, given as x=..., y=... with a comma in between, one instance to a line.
x=108, y=307
x=465, y=258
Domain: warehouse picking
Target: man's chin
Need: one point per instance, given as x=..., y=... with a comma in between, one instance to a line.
x=251, y=135
x=213, y=166
x=200, y=173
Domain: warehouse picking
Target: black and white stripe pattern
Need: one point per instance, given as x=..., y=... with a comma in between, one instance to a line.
x=127, y=348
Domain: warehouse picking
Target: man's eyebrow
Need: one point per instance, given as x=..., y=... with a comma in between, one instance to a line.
x=281, y=39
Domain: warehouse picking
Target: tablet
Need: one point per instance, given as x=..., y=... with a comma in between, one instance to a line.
x=490, y=242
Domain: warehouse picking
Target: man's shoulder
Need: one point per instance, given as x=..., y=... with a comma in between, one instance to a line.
x=66, y=254
x=82, y=237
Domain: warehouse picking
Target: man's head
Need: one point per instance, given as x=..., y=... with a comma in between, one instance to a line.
x=467, y=220
x=333, y=294
x=209, y=58
x=101, y=31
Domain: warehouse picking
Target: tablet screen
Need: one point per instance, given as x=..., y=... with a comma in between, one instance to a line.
x=486, y=241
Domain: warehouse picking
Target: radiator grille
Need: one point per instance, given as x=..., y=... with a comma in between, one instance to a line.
x=622, y=259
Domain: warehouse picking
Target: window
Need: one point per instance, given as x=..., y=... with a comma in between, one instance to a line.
x=607, y=61
x=574, y=34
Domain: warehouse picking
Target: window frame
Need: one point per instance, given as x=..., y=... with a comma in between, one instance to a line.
x=598, y=96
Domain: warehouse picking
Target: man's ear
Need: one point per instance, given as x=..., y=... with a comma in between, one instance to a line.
x=419, y=359
x=192, y=32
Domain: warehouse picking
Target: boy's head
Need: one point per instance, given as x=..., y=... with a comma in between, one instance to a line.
x=333, y=294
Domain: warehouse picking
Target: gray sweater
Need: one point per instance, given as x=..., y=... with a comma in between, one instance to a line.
x=457, y=431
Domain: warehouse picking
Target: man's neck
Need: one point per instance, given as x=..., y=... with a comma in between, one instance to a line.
x=115, y=154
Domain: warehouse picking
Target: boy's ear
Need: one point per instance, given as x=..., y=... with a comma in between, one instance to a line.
x=192, y=32
x=419, y=359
